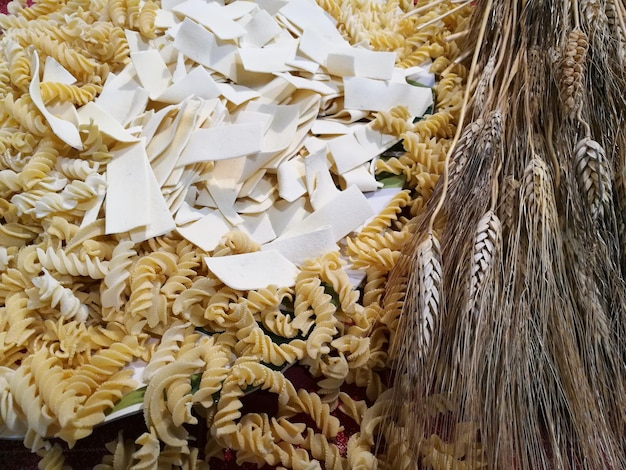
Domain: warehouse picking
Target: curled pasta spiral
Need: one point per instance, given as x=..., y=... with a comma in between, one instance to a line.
x=217, y=365
x=50, y=291
x=51, y=91
x=146, y=457
x=19, y=65
x=167, y=415
x=25, y=113
x=85, y=68
x=114, y=282
x=146, y=19
x=148, y=274
x=246, y=373
x=252, y=341
x=69, y=263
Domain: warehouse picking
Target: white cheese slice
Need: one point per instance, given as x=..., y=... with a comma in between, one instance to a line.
x=319, y=182
x=219, y=57
x=65, y=110
x=271, y=6
x=374, y=141
x=345, y=212
x=224, y=192
x=327, y=126
x=239, y=8
x=170, y=4
x=307, y=15
x=64, y=130
x=245, y=206
x=152, y=71
x=347, y=153
x=285, y=215
x=198, y=83
x=93, y=213
x=184, y=125
x=300, y=63
x=187, y=214
x=136, y=41
x=253, y=270
x=164, y=19
x=299, y=248
x=237, y=94
x=128, y=187
x=323, y=88
x=205, y=199
x=269, y=59
x=354, y=61
x=206, y=232
x=55, y=72
x=283, y=126
x=262, y=190
x=362, y=178
x=258, y=227
x=123, y=96
x=376, y=95
x=106, y=123
x=161, y=220
x=291, y=179
x=261, y=29
x=223, y=142
x=212, y=16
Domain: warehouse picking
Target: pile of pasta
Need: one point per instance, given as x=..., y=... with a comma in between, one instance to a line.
x=67, y=357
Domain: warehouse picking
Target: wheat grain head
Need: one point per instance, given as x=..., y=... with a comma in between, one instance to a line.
x=425, y=301
x=572, y=71
x=594, y=177
x=487, y=242
x=538, y=197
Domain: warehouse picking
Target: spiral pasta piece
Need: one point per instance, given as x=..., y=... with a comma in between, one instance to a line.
x=69, y=263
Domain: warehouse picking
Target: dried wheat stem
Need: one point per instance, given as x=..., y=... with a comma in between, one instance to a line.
x=423, y=8
x=472, y=71
x=573, y=68
x=442, y=16
x=456, y=36
x=552, y=153
x=575, y=7
x=594, y=176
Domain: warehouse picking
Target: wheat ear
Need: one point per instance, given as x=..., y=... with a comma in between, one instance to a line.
x=594, y=176
x=483, y=86
x=486, y=243
x=426, y=297
x=538, y=196
x=573, y=69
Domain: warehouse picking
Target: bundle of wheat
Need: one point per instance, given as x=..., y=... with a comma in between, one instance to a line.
x=514, y=316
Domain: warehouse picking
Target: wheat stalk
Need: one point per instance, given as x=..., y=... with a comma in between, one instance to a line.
x=594, y=177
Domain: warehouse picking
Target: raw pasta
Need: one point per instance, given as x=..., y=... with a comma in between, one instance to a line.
x=83, y=303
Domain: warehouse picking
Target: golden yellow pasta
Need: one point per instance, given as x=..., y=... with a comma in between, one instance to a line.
x=81, y=305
